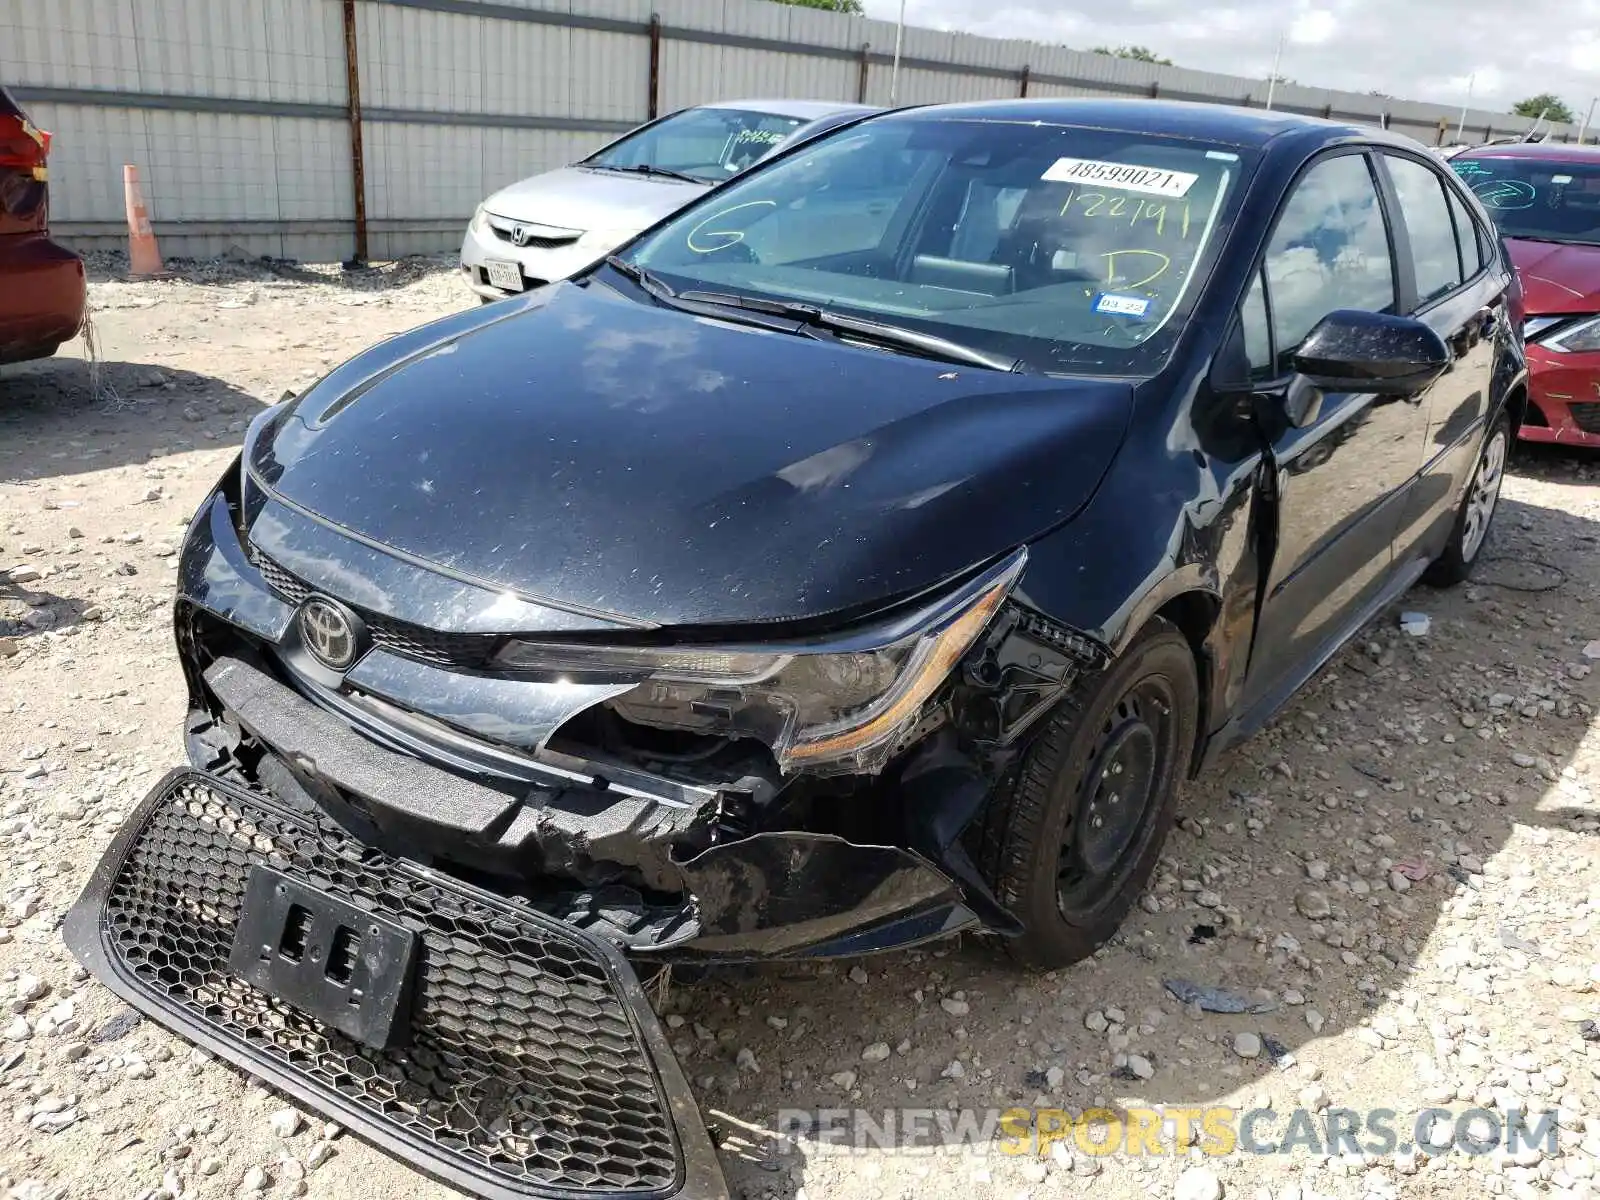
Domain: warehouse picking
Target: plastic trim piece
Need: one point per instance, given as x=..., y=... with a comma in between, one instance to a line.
x=700, y=1176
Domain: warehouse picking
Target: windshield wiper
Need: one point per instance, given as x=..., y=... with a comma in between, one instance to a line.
x=1554, y=241
x=646, y=279
x=650, y=169
x=878, y=333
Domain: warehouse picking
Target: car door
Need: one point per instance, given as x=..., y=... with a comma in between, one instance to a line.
x=1453, y=288
x=1333, y=483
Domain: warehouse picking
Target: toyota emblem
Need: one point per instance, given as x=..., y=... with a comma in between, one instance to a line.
x=329, y=633
x=519, y=235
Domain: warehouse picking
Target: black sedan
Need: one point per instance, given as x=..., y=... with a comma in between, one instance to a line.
x=866, y=553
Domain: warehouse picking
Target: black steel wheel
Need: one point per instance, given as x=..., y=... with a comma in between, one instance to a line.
x=1069, y=847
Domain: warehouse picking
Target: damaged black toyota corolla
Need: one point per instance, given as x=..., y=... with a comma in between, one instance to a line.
x=863, y=555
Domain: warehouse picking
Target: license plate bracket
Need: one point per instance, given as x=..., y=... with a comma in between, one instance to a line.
x=503, y=274
x=343, y=965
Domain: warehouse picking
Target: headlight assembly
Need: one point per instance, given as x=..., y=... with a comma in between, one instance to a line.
x=836, y=705
x=1569, y=335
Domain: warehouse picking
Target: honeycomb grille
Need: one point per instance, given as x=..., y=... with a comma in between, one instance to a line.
x=523, y=1060
x=1586, y=415
x=467, y=651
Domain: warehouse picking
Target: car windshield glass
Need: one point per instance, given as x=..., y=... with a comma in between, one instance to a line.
x=1071, y=250
x=706, y=143
x=1536, y=198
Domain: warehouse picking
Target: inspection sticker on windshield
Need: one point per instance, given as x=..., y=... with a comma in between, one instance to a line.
x=1120, y=306
x=1127, y=177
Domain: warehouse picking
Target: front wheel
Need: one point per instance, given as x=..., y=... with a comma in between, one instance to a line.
x=1069, y=847
x=1471, y=528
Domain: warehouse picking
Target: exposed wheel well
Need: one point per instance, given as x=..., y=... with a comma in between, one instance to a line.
x=1195, y=613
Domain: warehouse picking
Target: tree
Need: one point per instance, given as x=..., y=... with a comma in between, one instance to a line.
x=1545, y=104
x=853, y=7
x=1137, y=53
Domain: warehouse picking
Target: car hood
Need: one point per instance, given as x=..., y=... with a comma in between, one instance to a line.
x=584, y=198
x=590, y=451
x=1557, y=278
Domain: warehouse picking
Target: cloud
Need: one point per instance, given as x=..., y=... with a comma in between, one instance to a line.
x=1313, y=27
x=1417, y=50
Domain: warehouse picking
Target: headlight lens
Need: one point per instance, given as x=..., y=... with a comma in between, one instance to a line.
x=826, y=707
x=1571, y=335
x=478, y=220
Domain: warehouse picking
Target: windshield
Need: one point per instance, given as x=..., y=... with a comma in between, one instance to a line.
x=1071, y=250
x=1536, y=198
x=707, y=143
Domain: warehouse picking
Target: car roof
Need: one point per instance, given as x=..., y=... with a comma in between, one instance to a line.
x=1226, y=123
x=1545, y=151
x=808, y=110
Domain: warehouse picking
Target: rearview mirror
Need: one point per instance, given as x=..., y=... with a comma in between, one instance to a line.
x=1353, y=351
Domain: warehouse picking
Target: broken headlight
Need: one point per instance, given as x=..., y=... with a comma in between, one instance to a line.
x=828, y=706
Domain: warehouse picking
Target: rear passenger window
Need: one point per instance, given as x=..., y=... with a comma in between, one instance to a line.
x=1473, y=258
x=1433, y=235
x=1329, y=250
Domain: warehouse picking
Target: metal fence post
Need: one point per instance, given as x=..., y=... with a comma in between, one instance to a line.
x=655, y=65
x=1027, y=73
x=861, y=72
x=358, y=163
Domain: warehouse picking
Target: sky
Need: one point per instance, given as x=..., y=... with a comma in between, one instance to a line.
x=1410, y=49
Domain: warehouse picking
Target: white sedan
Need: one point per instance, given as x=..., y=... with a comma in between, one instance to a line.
x=553, y=225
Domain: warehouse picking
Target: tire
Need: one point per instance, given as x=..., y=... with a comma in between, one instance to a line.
x=1071, y=891
x=1478, y=505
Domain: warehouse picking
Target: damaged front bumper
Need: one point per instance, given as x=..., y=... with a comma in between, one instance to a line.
x=421, y=750
x=500, y=1051
x=401, y=894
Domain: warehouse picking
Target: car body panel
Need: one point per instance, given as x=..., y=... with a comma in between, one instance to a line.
x=42, y=285
x=1558, y=280
x=686, y=452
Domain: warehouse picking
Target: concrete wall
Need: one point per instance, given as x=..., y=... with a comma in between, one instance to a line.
x=236, y=111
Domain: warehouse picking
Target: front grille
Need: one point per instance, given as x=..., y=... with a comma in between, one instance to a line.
x=535, y=243
x=524, y=1062
x=463, y=651
x=290, y=587
x=1586, y=415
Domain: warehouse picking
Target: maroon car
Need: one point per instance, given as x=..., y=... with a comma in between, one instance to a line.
x=41, y=283
x=1545, y=199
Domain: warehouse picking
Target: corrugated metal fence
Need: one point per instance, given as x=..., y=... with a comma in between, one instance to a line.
x=242, y=119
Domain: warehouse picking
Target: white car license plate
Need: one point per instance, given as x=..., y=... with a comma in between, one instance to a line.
x=502, y=274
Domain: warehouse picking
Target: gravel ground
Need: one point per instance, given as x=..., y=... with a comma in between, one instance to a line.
x=1399, y=875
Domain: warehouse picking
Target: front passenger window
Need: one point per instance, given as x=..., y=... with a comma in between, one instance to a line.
x=1428, y=225
x=1329, y=250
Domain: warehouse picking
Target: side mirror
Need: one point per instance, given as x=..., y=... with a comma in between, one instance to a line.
x=1353, y=351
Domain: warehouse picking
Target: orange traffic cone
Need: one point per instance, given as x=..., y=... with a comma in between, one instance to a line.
x=144, y=260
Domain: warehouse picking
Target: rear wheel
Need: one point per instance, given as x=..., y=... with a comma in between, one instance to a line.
x=1071, y=845
x=1478, y=506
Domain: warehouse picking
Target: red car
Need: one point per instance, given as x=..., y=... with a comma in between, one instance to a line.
x=1545, y=198
x=41, y=283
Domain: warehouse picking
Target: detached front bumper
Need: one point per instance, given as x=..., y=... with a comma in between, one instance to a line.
x=520, y=1059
